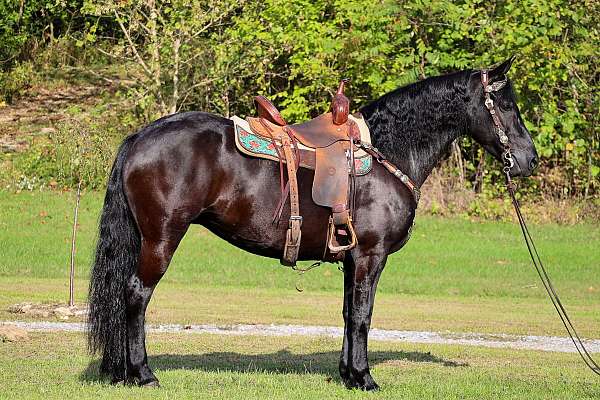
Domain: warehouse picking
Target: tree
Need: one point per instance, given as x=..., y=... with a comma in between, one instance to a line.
x=165, y=45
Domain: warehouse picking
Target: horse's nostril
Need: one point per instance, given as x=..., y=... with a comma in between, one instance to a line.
x=533, y=163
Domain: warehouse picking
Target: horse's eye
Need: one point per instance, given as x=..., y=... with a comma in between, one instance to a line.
x=504, y=105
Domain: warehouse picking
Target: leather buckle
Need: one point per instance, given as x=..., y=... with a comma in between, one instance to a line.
x=295, y=218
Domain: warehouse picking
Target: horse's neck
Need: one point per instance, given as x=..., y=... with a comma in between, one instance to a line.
x=415, y=132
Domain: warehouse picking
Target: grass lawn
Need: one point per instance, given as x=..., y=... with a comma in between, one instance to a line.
x=55, y=366
x=454, y=274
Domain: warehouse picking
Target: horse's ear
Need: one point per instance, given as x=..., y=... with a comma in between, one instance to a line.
x=502, y=69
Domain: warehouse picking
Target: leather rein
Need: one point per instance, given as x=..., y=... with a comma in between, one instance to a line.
x=508, y=162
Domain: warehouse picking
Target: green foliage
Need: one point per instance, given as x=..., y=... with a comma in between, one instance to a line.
x=27, y=24
x=34, y=169
x=16, y=81
x=298, y=52
x=166, y=45
x=83, y=153
x=74, y=151
x=214, y=55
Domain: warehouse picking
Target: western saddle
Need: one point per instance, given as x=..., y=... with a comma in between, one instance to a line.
x=331, y=135
x=334, y=138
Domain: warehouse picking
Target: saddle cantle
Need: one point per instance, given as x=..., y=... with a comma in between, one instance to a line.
x=266, y=110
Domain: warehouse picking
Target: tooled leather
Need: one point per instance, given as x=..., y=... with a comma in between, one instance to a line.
x=294, y=232
x=330, y=187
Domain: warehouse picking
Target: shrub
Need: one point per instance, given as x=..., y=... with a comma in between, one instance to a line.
x=74, y=151
x=15, y=82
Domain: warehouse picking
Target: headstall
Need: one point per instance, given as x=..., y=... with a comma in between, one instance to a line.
x=507, y=158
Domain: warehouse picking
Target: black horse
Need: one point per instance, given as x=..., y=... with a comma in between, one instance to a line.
x=185, y=169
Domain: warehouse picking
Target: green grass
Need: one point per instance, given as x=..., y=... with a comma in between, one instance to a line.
x=453, y=257
x=55, y=366
x=454, y=274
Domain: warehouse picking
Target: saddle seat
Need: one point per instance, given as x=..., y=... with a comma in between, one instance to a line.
x=318, y=132
x=321, y=131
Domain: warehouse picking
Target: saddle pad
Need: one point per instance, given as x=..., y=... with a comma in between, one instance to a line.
x=255, y=145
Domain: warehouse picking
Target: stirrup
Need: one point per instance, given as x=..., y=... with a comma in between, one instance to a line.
x=336, y=249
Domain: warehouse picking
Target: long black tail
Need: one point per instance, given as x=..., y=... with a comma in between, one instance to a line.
x=116, y=258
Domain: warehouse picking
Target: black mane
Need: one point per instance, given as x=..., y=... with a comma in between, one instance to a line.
x=415, y=125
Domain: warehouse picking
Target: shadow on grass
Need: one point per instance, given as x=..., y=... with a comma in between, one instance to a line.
x=283, y=362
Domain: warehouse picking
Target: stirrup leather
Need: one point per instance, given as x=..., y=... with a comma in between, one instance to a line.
x=294, y=231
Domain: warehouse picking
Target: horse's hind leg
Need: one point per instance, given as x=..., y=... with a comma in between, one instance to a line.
x=155, y=257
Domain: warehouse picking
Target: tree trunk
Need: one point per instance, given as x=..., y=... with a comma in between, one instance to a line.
x=73, y=248
x=176, y=47
x=155, y=54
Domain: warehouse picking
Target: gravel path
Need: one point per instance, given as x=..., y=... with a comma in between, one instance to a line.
x=544, y=343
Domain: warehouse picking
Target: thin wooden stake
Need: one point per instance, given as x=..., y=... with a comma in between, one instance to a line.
x=73, y=238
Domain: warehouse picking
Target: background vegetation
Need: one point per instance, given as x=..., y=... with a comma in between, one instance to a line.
x=160, y=57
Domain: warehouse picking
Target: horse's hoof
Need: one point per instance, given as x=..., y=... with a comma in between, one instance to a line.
x=370, y=387
x=150, y=384
x=367, y=383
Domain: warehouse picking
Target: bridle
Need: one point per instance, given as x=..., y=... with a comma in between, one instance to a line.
x=508, y=161
x=507, y=158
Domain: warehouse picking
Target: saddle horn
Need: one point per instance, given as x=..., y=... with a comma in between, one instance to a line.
x=340, y=105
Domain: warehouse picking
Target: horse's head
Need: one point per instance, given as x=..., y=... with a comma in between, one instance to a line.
x=491, y=93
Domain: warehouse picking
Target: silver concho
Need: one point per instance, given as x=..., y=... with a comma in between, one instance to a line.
x=403, y=177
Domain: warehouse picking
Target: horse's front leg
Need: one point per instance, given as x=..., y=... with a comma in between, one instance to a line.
x=361, y=274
